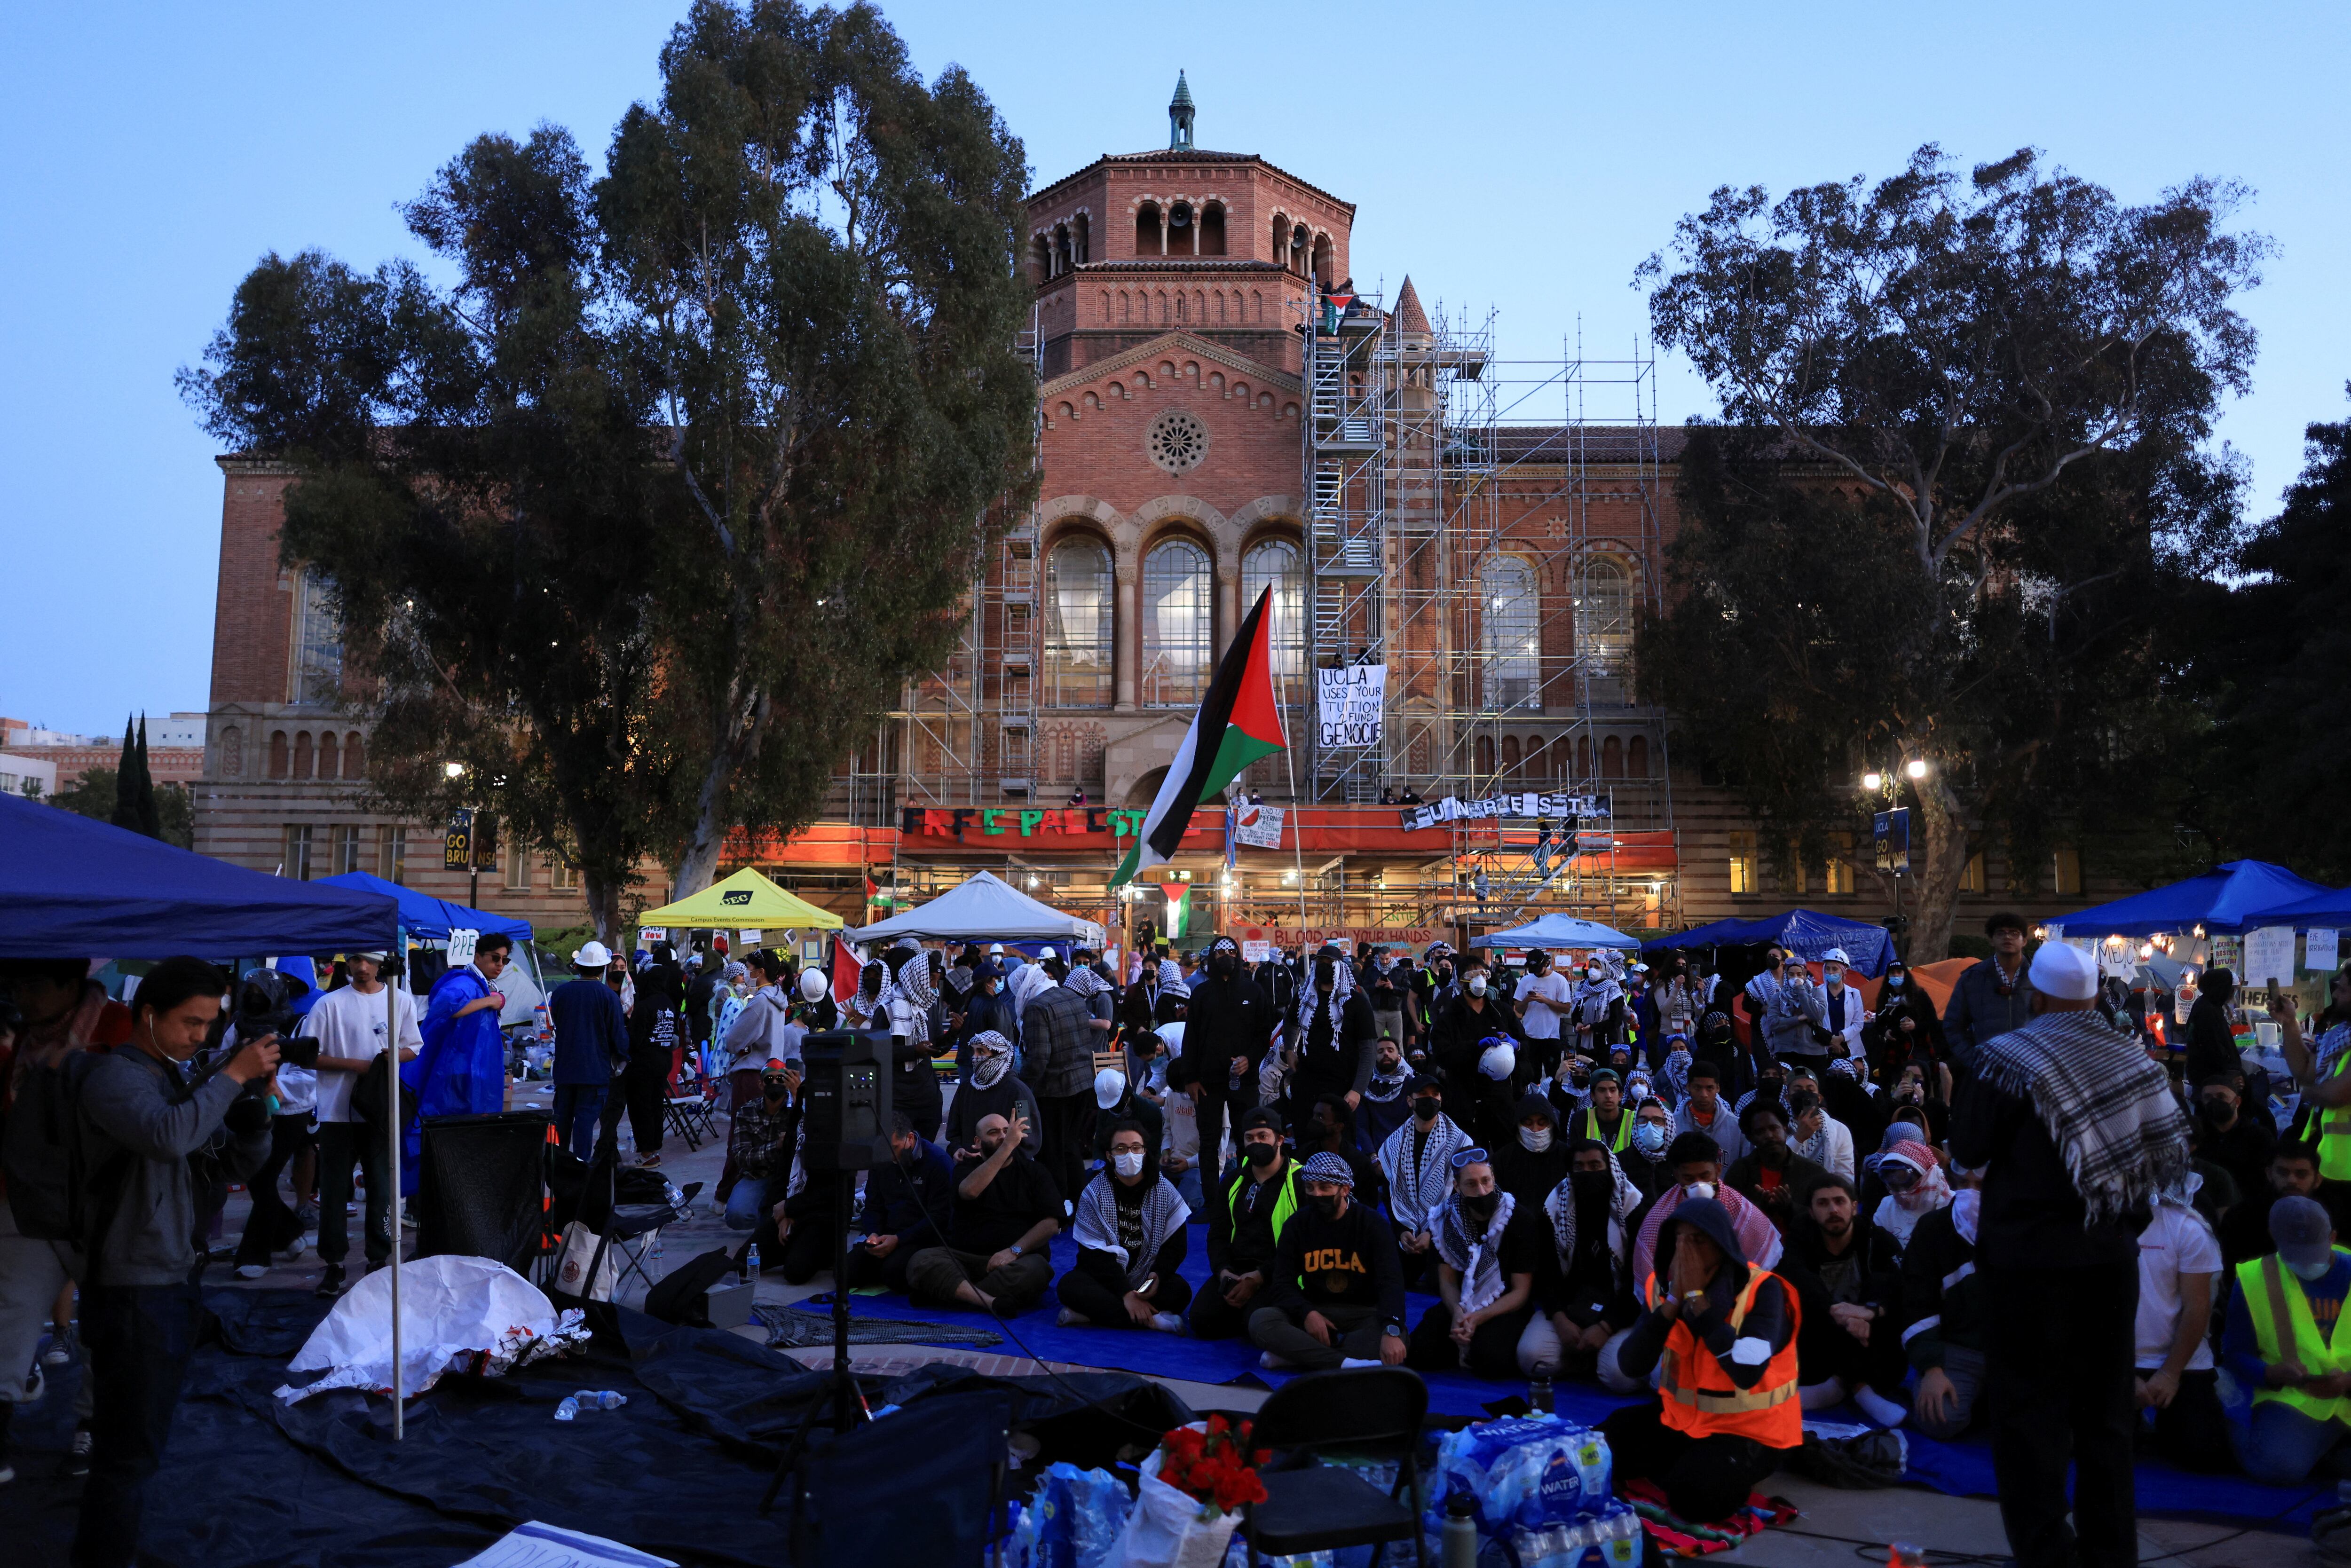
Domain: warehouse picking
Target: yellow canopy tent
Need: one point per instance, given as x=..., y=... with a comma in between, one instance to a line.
x=745, y=899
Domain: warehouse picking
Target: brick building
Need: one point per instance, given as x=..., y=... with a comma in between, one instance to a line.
x=1221, y=413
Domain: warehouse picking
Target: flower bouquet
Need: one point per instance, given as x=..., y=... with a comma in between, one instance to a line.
x=1193, y=1485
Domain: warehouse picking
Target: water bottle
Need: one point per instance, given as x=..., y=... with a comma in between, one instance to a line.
x=568, y=1410
x=657, y=1252
x=1459, y=1536
x=1539, y=1393
x=751, y=1262
x=1902, y=1554
x=598, y=1399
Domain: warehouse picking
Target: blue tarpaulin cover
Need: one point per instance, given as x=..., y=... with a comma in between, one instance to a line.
x=430, y=919
x=1806, y=933
x=2220, y=900
x=2330, y=909
x=74, y=888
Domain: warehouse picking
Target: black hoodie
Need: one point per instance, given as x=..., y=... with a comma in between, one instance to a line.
x=1771, y=1319
x=1520, y=1171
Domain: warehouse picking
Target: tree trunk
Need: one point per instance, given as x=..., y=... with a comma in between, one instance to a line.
x=1938, y=857
x=604, y=906
x=698, y=863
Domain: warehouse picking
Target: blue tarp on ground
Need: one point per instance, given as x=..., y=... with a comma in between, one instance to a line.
x=431, y=919
x=74, y=888
x=1807, y=933
x=2220, y=900
x=2331, y=909
x=1559, y=931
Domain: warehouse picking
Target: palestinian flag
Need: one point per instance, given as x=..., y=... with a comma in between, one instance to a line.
x=1239, y=722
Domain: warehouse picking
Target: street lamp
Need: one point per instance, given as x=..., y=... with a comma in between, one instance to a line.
x=1916, y=767
x=1873, y=781
x=452, y=770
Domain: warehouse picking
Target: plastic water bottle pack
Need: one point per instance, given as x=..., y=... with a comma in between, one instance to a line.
x=1539, y=1485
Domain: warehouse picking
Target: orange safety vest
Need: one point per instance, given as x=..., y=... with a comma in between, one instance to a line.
x=1701, y=1400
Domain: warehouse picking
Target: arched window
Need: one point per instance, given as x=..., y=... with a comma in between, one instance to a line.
x=302, y=755
x=1636, y=756
x=277, y=753
x=330, y=755
x=1275, y=564
x=1511, y=755
x=1582, y=756
x=1511, y=635
x=1611, y=758
x=1041, y=261
x=1604, y=619
x=1148, y=240
x=319, y=640
x=353, y=760
x=1181, y=230
x=1212, y=229
x=1178, y=624
x=1485, y=755
x=1078, y=609
x=232, y=752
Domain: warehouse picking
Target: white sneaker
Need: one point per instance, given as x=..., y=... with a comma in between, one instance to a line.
x=1356, y=1363
x=1167, y=1323
x=58, y=1354
x=1273, y=1363
x=1068, y=1319
x=251, y=1270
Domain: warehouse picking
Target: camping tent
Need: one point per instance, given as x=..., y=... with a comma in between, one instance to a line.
x=1807, y=933
x=2222, y=899
x=1559, y=931
x=2328, y=909
x=427, y=918
x=985, y=909
x=745, y=899
x=74, y=888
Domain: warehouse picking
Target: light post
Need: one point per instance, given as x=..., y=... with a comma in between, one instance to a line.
x=1884, y=825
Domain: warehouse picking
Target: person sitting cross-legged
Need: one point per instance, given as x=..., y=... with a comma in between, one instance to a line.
x=759, y=1135
x=1584, y=1293
x=1131, y=1242
x=1944, y=1316
x=1417, y=1160
x=1006, y=1212
x=2292, y=1409
x=1724, y=1331
x=1259, y=1204
x=1490, y=1247
x=1334, y=1293
x=1772, y=1176
x=905, y=1202
x=1848, y=1278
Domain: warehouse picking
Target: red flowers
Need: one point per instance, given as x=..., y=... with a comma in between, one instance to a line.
x=1214, y=1465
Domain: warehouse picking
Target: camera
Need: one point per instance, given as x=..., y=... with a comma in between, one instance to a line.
x=265, y=1005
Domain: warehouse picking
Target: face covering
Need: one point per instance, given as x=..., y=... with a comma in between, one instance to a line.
x=1534, y=1140
x=1894, y=981
x=774, y=1087
x=1260, y=1155
x=2312, y=1271
x=1592, y=974
x=1477, y=984
x=984, y=1074
x=1591, y=1184
x=1129, y=1163
x=1427, y=1107
x=1327, y=1208
x=2214, y=1110
x=1649, y=1138
x=1833, y=975
x=1481, y=1207
x=1222, y=965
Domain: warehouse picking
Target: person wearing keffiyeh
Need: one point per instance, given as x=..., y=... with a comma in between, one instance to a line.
x=1586, y=1299
x=1417, y=1160
x=1488, y=1250
x=907, y=998
x=1131, y=1244
x=1334, y=1034
x=2077, y=1134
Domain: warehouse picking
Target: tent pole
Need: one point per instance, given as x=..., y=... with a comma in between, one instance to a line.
x=392, y=1121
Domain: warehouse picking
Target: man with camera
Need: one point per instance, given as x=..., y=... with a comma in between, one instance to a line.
x=142, y=1120
x=353, y=1030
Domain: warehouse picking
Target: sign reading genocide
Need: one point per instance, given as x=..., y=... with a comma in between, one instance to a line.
x=1348, y=704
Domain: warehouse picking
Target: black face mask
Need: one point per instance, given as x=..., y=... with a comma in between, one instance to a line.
x=1481, y=1206
x=1327, y=1208
x=1591, y=1184
x=1223, y=966
x=775, y=1090
x=1426, y=1108
x=1260, y=1155
x=2217, y=1111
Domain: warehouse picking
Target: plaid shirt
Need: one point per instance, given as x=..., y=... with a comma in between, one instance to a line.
x=1057, y=1044
x=758, y=1137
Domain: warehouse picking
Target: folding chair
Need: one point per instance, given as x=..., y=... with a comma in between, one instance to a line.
x=1309, y=1506
x=689, y=1117
x=635, y=1229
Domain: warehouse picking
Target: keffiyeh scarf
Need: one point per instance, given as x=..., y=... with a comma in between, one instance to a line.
x=1164, y=1213
x=1560, y=1208
x=1759, y=1239
x=1416, y=1188
x=1899, y=1212
x=1593, y=1000
x=1342, y=986
x=1085, y=983
x=912, y=986
x=2107, y=1107
x=1475, y=1252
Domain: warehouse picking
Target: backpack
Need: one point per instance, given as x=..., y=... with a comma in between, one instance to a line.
x=41, y=1150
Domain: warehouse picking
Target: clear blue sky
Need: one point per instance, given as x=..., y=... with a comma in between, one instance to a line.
x=1525, y=157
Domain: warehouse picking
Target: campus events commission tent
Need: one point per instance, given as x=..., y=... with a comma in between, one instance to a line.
x=1806, y=933
x=985, y=909
x=1559, y=931
x=74, y=888
x=745, y=899
x=2224, y=899
x=427, y=918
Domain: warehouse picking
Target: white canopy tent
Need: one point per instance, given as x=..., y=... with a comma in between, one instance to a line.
x=985, y=909
x=1556, y=930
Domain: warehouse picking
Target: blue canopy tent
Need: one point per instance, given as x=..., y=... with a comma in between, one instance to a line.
x=429, y=918
x=1807, y=933
x=74, y=888
x=2224, y=899
x=2329, y=909
x=1559, y=931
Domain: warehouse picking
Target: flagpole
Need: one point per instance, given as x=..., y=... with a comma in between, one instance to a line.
x=393, y=1120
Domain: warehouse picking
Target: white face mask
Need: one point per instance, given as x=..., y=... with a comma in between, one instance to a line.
x=1534, y=1140
x=1477, y=984
x=985, y=1072
x=1592, y=974
x=1129, y=1163
x=1698, y=1189
x=2313, y=1272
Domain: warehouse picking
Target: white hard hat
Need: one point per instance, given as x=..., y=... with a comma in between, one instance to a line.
x=1835, y=956
x=1109, y=1084
x=995, y=950
x=1498, y=1062
x=1047, y=951
x=812, y=984
x=593, y=955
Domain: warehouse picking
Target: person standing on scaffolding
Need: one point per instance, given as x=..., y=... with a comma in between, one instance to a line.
x=1228, y=1029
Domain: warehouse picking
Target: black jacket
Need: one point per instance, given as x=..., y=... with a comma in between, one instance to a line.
x=1226, y=1018
x=906, y=1201
x=1335, y=1060
x=1350, y=1261
x=1942, y=1295
x=2033, y=1213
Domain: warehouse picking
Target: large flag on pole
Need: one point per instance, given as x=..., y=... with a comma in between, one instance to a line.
x=1239, y=722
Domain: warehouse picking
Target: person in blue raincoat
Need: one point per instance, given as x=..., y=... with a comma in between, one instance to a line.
x=463, y=1069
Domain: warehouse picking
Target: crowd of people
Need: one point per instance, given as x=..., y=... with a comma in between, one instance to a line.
x=1733, y=1196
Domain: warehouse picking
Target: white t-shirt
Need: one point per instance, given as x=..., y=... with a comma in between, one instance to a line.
x=2176, y=1241
x=1539, y=1021
x=350, y=1024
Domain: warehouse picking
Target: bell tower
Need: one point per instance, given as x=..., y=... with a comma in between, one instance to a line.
x=1179, y=118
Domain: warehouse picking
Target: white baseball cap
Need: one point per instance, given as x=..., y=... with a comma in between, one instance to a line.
x=1109, y=1084
x=2065, y=972
x=1047, y=951
x=593, y=955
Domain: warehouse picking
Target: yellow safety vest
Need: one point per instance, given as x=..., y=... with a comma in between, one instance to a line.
x=2287, y=1334
x=1623, y=1139
x=2335, y=1133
